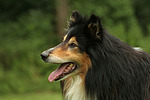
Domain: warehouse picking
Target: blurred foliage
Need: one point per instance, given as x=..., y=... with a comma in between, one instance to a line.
x=22, y=41
x=12, y=9
x=120, y=18
x=28, y=27
x=33, y=96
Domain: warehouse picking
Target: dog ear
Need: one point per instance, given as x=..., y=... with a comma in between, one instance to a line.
x=74, y=18
x=94, y=26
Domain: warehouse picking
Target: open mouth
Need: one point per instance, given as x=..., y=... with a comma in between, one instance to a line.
x=63, y=70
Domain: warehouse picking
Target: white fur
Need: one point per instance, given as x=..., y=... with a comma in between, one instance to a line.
x=55, y=59
x=75, y=90
x=137, y=48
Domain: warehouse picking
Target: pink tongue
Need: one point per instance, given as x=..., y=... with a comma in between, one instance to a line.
x=56, y=73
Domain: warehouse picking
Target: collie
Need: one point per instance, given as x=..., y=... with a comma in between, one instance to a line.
x=95, y=65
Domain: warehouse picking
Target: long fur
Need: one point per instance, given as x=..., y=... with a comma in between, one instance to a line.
x=118, y=71
x=74, y=89
x=109, y=69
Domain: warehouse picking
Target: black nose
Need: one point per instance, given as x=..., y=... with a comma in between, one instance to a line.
x=44, y=55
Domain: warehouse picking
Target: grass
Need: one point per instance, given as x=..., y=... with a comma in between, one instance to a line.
x=33, y=96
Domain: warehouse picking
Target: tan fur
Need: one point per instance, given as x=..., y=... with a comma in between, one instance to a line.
x=64, y=52
x=65, y=37
x=74, y=87
x=72, y=19
x=73, y=40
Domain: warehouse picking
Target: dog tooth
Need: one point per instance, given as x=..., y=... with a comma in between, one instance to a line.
x=66, y=70
x=71, y=64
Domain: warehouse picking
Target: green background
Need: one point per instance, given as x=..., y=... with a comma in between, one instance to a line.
x=28, y=27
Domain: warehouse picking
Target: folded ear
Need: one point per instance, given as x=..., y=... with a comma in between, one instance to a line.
x=74, y=18
x=94, y=26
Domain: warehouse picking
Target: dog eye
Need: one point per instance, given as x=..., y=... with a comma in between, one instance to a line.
x=72, y=45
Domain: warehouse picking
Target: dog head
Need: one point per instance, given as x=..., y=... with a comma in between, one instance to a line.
x=72, y=53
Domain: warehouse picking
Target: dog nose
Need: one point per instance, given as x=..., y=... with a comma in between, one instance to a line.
x=44, y=56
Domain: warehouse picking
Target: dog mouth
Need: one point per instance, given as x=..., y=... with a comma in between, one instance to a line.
x=63, y=70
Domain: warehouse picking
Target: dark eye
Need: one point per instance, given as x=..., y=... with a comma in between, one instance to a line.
x=72, y=45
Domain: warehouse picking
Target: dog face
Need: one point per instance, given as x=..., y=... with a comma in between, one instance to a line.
x=72, y=54
x=72, y=59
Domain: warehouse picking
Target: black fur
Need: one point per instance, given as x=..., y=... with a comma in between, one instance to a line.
x=118, y=71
